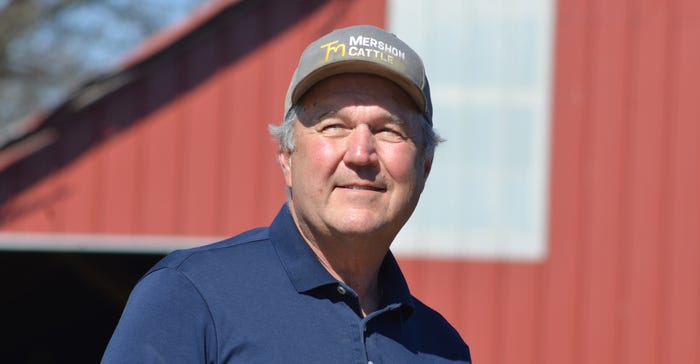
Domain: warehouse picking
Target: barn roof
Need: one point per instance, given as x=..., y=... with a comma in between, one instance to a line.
x=191, y=100
x=97, y=85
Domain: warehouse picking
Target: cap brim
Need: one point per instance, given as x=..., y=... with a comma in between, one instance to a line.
x=358, y=66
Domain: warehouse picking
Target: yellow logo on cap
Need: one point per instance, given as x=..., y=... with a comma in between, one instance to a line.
x=330, y=48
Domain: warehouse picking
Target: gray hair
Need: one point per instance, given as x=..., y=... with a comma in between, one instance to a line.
x=284, y=133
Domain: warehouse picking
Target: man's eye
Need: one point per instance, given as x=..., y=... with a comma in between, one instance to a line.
x=333, y=129
x=391, y=134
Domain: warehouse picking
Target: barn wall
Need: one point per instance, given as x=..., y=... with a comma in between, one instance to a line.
x=182, y=149
x=622, y=281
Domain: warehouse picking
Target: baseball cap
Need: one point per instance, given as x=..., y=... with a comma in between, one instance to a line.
x=362, y=49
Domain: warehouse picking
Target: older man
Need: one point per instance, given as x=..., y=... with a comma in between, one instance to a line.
x=319, y=284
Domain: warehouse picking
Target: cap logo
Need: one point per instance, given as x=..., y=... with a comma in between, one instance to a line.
x=331, y=48
x=361, y=46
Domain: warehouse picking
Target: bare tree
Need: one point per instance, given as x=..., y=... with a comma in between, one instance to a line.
x=22, y=80
x=46, y=46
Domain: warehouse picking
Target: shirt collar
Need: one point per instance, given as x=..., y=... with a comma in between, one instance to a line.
x=297, y=258
x=307, y=273
x=394, y=286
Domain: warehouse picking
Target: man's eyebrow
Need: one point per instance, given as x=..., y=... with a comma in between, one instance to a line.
x=391, y=118
x=323, y=116
x=395, y=118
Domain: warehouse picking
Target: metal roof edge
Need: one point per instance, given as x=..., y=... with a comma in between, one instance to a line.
x=100, y=243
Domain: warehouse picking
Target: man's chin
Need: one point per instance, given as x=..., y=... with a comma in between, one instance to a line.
x=360, y=223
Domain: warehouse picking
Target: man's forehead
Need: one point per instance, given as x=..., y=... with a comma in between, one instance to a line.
x=358, y=89
x=322, y=111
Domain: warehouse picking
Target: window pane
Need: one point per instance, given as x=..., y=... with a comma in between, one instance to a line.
x=489, y=66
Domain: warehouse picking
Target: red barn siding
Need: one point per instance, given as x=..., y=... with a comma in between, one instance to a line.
x=621, y=283
x=182, y=149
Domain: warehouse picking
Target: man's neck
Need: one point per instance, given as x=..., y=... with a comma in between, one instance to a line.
x=350, y=258
x=359, y=272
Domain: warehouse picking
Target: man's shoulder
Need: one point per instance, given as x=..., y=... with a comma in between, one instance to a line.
x=429, y=318
x=239, y=247
x=446, y=339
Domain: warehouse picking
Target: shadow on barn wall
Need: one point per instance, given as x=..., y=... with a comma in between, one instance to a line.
x=97, y=111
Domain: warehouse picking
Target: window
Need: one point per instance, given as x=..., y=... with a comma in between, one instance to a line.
x=489, y=67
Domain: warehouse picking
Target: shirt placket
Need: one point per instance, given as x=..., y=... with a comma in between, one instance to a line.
x=358, y=323
x=365, y=331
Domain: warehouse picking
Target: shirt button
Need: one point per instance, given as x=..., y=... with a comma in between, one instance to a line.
x=341, y=290
x=370, y=362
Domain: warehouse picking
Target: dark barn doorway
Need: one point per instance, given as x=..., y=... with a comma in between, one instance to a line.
x=59, y=307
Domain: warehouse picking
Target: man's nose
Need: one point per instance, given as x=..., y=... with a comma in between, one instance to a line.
x=360, y=148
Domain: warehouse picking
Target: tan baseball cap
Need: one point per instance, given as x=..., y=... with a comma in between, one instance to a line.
x=362, y=49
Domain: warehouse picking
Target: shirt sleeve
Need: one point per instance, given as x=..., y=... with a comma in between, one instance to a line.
x=165, y=320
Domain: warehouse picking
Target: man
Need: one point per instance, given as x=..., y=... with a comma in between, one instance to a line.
x=319, y=284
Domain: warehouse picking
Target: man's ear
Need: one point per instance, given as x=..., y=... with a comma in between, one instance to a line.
x=427, y=166
x=285, y=161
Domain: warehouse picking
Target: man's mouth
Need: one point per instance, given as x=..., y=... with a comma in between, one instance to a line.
x=363, y=188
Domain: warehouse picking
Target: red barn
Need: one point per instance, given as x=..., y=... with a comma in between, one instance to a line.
x=172, y=150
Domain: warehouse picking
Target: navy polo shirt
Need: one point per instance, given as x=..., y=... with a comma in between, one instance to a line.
x=263, y=297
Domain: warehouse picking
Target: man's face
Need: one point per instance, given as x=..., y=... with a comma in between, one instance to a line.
x=358, y=168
